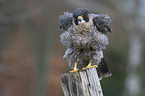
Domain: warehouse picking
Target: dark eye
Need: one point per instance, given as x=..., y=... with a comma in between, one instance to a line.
x=86, y=17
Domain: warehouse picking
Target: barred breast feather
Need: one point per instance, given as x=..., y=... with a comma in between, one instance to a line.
x=84, y=43
x=85, y=38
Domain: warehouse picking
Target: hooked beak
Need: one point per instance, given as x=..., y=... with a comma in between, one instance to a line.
x=80, y=18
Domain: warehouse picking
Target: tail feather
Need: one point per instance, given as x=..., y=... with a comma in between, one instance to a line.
x=103, y=69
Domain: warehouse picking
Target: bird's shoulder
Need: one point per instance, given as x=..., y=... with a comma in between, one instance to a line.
x=101, y=21
x=65, y=20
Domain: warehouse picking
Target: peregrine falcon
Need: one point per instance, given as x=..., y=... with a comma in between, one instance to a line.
x=85, y=38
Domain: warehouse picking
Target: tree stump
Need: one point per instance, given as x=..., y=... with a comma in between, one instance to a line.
x=82, y=83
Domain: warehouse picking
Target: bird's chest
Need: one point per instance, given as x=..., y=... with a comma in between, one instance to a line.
x=82, y=40
x=82, y=37
x=82, y=43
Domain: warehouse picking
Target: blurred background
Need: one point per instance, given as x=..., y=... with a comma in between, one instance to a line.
x=31, y=55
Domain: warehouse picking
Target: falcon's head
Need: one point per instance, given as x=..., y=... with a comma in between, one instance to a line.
x=81, y=15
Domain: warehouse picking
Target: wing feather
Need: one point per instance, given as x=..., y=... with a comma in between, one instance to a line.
x=101, y=21
x=65, y=20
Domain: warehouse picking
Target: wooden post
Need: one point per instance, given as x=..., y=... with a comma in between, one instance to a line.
x=82, y=83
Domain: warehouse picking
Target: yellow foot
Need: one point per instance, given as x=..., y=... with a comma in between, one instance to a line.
x=95, y=66
x=89, y=66
x=75, y=70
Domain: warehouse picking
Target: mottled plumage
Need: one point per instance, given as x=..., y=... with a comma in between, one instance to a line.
x=85, y=39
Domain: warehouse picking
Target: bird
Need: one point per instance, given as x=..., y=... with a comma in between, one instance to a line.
x=85, y=39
